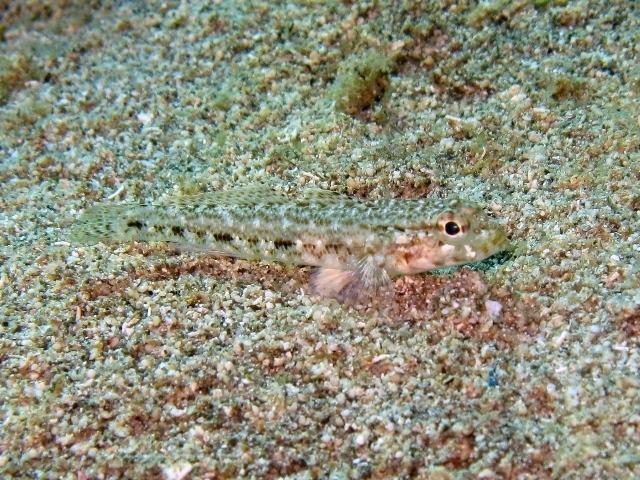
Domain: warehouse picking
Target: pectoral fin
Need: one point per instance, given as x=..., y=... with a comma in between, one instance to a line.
x=371, y=274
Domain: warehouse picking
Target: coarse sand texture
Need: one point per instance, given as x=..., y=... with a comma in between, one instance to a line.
x=157, y=359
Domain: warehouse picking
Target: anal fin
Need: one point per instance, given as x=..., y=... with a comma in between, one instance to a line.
x=331, y=282
x=352, y=286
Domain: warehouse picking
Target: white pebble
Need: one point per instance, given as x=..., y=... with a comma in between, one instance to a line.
x=493, y=307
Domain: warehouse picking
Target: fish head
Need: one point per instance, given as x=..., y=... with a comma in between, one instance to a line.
x=458, y=233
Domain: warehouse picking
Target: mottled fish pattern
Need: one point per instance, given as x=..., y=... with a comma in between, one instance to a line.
x=357, y=244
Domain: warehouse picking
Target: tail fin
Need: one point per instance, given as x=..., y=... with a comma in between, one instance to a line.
x=108, y=223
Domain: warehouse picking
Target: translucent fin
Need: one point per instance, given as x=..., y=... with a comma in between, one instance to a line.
x=321, y=195
x=249, y=196
x=331, y=282
x=237, y=197
x=352, y=286
x=371, y=274
x=191, y=248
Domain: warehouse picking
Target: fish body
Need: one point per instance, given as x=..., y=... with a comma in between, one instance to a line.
x=355, y=243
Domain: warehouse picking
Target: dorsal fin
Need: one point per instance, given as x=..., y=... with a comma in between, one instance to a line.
x=239, y=196
x=321, y=195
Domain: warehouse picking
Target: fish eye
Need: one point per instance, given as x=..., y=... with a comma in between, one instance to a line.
x=452, y=228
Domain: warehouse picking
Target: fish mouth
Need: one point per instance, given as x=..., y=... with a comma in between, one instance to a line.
x=498, y=241
x=492, y=242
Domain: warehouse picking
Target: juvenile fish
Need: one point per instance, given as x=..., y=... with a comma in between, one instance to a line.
x=358, y=245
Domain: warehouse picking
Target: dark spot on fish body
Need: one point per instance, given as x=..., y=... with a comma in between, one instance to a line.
x=135, y=224
x=222, y=237
x=282, y=244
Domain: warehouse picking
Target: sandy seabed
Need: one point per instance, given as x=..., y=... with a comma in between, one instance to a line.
x=134, y=361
